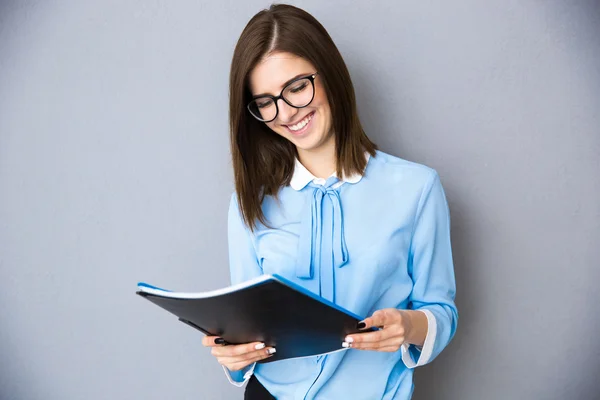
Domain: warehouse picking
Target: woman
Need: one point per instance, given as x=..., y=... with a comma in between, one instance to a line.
x=375, y=241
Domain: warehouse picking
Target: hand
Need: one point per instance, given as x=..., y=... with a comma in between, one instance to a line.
x=236, y=357
x=396, y=328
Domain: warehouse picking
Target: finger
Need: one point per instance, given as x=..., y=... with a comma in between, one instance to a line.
x=211, y=341
x=393, y=342
x=369, y=337
x=388, y=349
x=236, y=366
x=378, y=319
x=391, y=331
x=237, y=350
x=247, y=358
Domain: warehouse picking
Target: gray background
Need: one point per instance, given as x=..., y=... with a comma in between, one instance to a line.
x=114, y=168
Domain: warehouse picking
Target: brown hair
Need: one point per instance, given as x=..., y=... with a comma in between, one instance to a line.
x=263, y=161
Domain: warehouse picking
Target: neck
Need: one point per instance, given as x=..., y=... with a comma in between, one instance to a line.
x=321, y=162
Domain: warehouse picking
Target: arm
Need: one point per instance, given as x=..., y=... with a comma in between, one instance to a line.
x=423, y=331
x=243, y=265
x=432, y=271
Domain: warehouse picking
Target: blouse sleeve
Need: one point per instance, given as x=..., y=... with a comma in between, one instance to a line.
x=243, y=265
x=431, y=269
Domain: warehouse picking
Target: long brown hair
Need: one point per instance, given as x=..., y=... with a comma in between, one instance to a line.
x=263, y=161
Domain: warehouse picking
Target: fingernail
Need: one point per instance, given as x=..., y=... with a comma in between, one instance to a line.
x=219, y=341
x=361, y=325
x=272, y=350
x=349, y=339
x=259, y=346
x=345, y=344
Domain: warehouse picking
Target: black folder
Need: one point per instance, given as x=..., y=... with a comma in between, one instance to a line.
x=268, y=309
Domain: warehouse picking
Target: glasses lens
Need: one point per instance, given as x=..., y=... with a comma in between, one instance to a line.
x=299, y=93
x=263, y=108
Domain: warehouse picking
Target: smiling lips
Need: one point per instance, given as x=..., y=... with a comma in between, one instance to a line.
x=301, y=126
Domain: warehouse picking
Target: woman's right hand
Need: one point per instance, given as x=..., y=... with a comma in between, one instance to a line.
x=239, y=356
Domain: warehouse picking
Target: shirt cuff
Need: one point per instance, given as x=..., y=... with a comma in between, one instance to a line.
x=427, y=348
x=238, y=378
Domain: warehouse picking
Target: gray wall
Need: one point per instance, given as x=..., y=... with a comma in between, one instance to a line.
x=114, y=168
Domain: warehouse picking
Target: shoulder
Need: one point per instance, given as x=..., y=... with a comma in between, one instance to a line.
x=233, y=202
x=393, y=170
x=233, y=212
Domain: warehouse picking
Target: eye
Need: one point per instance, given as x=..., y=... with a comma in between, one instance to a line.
x=262, y=103
x=299, y=87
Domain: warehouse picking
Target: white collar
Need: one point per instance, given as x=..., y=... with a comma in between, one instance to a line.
x=303, y=177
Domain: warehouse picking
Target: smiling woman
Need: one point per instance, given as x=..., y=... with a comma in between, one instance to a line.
x=316, y=202
x=278, y=46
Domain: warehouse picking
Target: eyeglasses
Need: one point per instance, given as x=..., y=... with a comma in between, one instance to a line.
x=298, y=93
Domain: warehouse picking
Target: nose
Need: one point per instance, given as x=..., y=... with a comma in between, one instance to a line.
x=286, y=112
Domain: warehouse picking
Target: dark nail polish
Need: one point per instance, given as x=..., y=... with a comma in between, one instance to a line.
x=361, y=325
x=219, y=341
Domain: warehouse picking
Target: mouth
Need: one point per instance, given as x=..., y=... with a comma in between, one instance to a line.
x=302, y=126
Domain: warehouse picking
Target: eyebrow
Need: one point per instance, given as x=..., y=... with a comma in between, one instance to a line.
x=282, y=86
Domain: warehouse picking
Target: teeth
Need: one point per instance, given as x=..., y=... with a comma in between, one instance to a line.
x=300, y=124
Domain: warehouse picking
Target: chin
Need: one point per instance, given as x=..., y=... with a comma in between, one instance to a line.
x=307, y=146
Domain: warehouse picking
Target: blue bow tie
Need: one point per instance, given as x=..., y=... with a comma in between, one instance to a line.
x=322, y=246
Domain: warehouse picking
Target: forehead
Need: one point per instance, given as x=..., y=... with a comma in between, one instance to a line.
x=273, y=71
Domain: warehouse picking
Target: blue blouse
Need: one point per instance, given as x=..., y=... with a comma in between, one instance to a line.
x=365, y=242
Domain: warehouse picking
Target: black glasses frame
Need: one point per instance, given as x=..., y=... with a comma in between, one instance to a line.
x=310, y=77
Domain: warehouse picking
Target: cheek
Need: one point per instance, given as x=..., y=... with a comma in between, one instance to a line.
x=320, y=102
x=325, y=112
x=277, y=129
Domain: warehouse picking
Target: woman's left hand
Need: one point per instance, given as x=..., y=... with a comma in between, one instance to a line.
x=396, y=328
